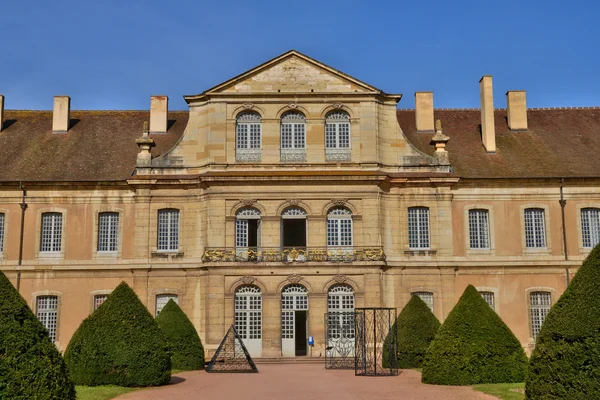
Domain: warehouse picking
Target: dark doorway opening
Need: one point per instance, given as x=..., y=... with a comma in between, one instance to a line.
x=294, y=232
x=253, y=232
x=300, y=333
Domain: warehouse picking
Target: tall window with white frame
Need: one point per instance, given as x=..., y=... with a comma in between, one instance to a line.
x=340, y=312
x=47, y=313
x=163, y=299
x=108, y=232
x=247, y=233
x=337, y=136
x=479, y=229
x=427, y=298
x=489, y=298
x=539, y=307
x=168, y=230
x=339, y=227
x=535, y=228
x=293, y=137
x=2, y=225
x=248, y=138
x=248, y=317
x=590, y=227
x=51, y=240
x=418, y=228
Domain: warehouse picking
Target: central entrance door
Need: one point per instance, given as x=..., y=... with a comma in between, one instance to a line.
x=294, y=317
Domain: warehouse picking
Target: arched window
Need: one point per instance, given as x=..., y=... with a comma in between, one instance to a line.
x=340, y=321
x=339, y=227
x=248, y=317
x=248, y=137
x=590, y=226
x=337, y=136
x=294, y=306
x=293, y=234
x=293, y=137
x=247, y=233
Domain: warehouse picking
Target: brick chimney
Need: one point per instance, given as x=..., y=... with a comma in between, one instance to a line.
x=159, y=106
x=488, y=131
x=60, y=116
x=424, y=111
x=516, y=106
x=1, y=112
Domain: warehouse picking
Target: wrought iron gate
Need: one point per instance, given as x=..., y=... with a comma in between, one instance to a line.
x=376, y=336
x=340, y=334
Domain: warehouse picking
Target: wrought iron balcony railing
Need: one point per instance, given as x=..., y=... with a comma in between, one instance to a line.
x=293, y=254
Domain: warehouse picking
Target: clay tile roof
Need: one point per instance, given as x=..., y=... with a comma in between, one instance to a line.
x=559, y=143
x=100, y=145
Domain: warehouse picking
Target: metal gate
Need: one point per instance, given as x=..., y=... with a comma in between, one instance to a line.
x=340, y=336
x=376, y=336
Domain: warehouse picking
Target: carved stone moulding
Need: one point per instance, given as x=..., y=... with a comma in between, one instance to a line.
x=248, y=280
x=340, y=278
x=294, y=278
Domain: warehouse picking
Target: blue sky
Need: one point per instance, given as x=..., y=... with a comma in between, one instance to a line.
x=114, y=54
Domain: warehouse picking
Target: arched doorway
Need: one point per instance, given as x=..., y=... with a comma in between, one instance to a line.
x=294, y=320
x=248, y=318
x=340, y=326
x=293, y=233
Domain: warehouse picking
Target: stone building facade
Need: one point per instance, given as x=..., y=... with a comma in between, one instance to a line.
x=291, y=191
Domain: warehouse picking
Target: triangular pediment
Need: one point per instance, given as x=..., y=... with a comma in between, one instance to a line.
x=291, y=72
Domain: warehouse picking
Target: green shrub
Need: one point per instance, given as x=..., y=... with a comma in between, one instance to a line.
x=474, y=346
x=184, y=343
x=416, y=327
x=119, y=344
x=565, y=363
x=30, y=365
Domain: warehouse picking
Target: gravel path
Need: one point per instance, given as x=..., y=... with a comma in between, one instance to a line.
x=301, y=382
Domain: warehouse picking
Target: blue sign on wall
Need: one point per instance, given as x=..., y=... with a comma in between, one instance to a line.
x=311, y=340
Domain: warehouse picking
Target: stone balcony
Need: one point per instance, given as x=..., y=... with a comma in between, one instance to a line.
x=294, y=254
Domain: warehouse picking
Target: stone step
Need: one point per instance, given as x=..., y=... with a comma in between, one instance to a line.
x=290, y=360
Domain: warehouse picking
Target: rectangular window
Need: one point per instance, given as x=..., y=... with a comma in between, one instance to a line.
x=590, y=226
x=293, y=136
x=108, y=231
x=339, y=232
x=489, y=298
x=2, y=232
x=479, y=232
x=163, y=299
x=418, y=228
x=47, y=313
x=242, y=136
x=427, y=298
x=51, y=232
x=255, y=136
x=168, y=230
x=99, y=299
x=539, y=307
x=535, y=231
x=337, y=135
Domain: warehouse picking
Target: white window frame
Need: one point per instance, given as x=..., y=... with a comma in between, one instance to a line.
x=293, y=123
x=427, y=297
x=534, y=224
x=46, y=310
x=167, y=229
x=52, y=226
x=335, y=123
x=241, y=227
x=248, y=312
x=99, y=299
x=248, y=131
x=479, y=229
x=419, y=223
x=538, y=312
x=590, y=227
x=489, y=297
x=108, y=232
x=341, y=303
x=340, y=229
x=162, y=299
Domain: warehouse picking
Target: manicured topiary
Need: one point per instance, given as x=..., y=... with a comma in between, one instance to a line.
x=30, y=365
x=119, y=344
x=565, y=363
x=416, y=327
x=474, y=346
x=184, y=343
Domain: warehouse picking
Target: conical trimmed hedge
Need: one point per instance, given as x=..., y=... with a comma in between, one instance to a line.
x=30, y=365
x=119, y=344
x=416, y=327
x=184, y=343
x=565, y=363
x=474, y=346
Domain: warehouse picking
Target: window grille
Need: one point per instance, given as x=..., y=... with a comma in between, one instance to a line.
x=51, y=232
x=340, y=307
x=339, y=227
x=99, y=299
x=293, y=297
x=248, y=131
x=539, y=307
x=418, y=228
x=590, y=226
x=427, y=297
x=108, y=231
x=163, y=299
x=248, y=312
x=535, y=231
x=293, y=131
x=294, y=212
x=2, y=232
x=479, y=232
x=337, y=130
x=489, y=298
x=47, y=313
x=168, y=230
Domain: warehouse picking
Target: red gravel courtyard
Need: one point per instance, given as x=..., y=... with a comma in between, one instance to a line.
x=301, y=382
